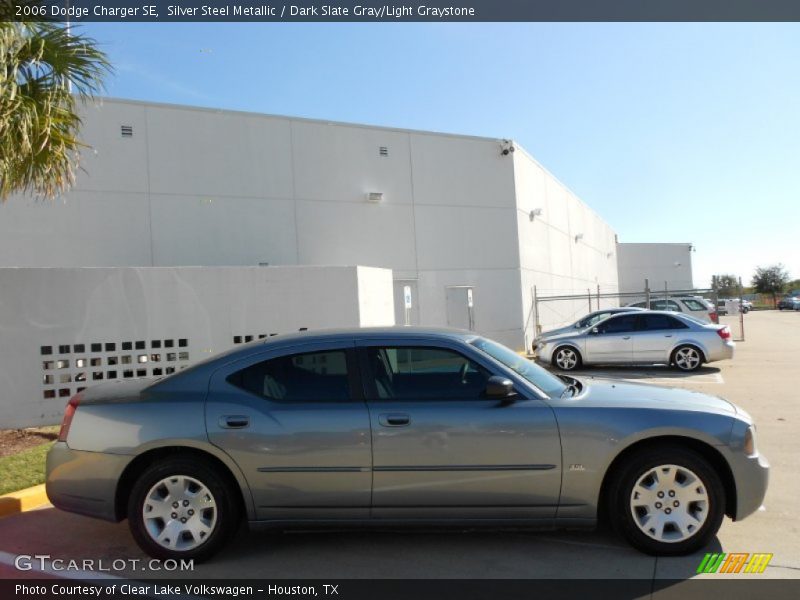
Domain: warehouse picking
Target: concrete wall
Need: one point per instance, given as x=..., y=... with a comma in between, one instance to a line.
x=215, y=188
x=551, y=258
x=659, y=263
x=170, y=317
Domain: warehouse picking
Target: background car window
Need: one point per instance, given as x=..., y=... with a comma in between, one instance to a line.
x=421, y=373
x=665, y=305
x=658, y=322
x=618, y=324
x=308, y=377
x=595, y=319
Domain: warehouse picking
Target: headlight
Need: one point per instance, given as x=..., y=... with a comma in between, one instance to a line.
x=750, y=440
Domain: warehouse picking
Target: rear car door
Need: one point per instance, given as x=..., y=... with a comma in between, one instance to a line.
x=441, y=449
x=613, y=342
x=296, y=423
x=654, y=337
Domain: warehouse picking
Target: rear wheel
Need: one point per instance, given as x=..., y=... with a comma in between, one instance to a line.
x=567, y=358
x=667, y=501
x=687, y=358
x=181, y=508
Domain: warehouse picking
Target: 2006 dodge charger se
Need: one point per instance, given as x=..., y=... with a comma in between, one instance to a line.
x=400, y=426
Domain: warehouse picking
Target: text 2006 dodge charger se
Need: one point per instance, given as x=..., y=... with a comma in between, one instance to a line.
x=400, y=426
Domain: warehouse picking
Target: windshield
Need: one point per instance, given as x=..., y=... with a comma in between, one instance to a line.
x=545, y=381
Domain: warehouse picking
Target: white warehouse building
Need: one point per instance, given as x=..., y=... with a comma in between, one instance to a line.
x=469, y=225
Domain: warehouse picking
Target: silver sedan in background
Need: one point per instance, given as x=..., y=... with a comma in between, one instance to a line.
x=648, y=337
x=593, y=318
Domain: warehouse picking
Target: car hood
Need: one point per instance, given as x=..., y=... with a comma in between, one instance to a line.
x=615, y=394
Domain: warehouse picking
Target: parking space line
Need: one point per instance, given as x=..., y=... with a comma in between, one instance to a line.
x=705, y=378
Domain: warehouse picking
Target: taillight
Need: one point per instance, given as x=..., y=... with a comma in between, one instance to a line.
x=724, y=333
x=714, y=317
x=69, y=412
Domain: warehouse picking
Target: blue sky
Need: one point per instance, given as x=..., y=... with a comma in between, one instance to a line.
x=672, y=132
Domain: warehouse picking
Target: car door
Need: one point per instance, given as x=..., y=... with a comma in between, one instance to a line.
x=441, y=449
x=296, y=423
x=654, y=337
x=612, y=342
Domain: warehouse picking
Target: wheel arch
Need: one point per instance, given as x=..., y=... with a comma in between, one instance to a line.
x=707, y=451
x=137, y=466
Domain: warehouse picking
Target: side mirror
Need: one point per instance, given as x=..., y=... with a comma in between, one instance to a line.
x=595, y=330
x=499, y=387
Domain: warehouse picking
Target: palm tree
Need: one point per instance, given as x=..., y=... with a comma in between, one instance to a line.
x=45, y=72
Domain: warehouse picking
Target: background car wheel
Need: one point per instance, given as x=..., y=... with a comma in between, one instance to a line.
x=182, y=508
x=687, y=358
x=567, y=358
x=666, y=501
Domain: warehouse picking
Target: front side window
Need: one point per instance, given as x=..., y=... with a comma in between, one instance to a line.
x=307, y=377
x=541, y=378
x=424, y=373
x=659, y=322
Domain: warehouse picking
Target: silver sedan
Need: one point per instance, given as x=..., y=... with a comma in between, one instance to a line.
x=395, y=427
x=649, y=337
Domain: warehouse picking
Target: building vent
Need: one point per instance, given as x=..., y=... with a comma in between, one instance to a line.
x=126, y=130
x=383, y=151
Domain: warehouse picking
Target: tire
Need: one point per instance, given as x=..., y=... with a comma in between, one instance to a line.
x=567, y=358
x=204, y=500
x=687, y=358
x=645, y=486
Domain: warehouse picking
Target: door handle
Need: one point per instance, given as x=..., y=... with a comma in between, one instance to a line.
x=394, y=420
x=627, y=337
x=234, y=421
x=670, y=335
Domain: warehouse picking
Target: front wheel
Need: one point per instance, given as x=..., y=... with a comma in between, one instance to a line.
x=566, y=358
x=667, y=501
x=181, y=509
x=687, y=358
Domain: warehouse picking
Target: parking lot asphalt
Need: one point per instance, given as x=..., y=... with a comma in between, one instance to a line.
x=762, y=378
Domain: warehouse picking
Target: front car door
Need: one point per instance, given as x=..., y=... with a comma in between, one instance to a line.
x=296, y=423
x=613, y=341
x=441, y=449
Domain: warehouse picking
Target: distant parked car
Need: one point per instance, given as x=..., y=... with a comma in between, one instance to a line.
x=650, y=337
x=691, y=306
x=589, y=320
x=722, y=307
x=789, y=303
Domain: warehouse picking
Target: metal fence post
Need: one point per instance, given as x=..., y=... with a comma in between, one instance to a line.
x=647, y=293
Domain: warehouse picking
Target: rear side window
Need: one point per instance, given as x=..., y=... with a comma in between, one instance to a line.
x=618, y=324
x=660, y=322
x=411, y=373
x=308, y=377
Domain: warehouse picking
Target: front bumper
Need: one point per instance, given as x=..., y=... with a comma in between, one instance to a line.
x=751, y=478
x=84, y=482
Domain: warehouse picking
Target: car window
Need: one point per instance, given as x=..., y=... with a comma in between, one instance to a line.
x=307, y=377
x=654, y=322
x=424, y=373
x=594, y=319
x=660, y=322
x=618, y=324
x=694, y=304
x=665, y=305
x=542, y=379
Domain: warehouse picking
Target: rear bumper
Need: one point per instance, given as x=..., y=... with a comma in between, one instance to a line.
x=723, y=351
x=751, y=474
x=84, y=482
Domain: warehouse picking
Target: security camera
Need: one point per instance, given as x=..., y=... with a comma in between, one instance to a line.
x=507, y=147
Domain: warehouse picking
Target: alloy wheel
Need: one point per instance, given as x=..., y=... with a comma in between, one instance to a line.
x=687, y=359
x=179, y=513
x=566, y=359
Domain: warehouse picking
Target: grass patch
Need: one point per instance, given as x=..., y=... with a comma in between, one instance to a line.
x=24, y=469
